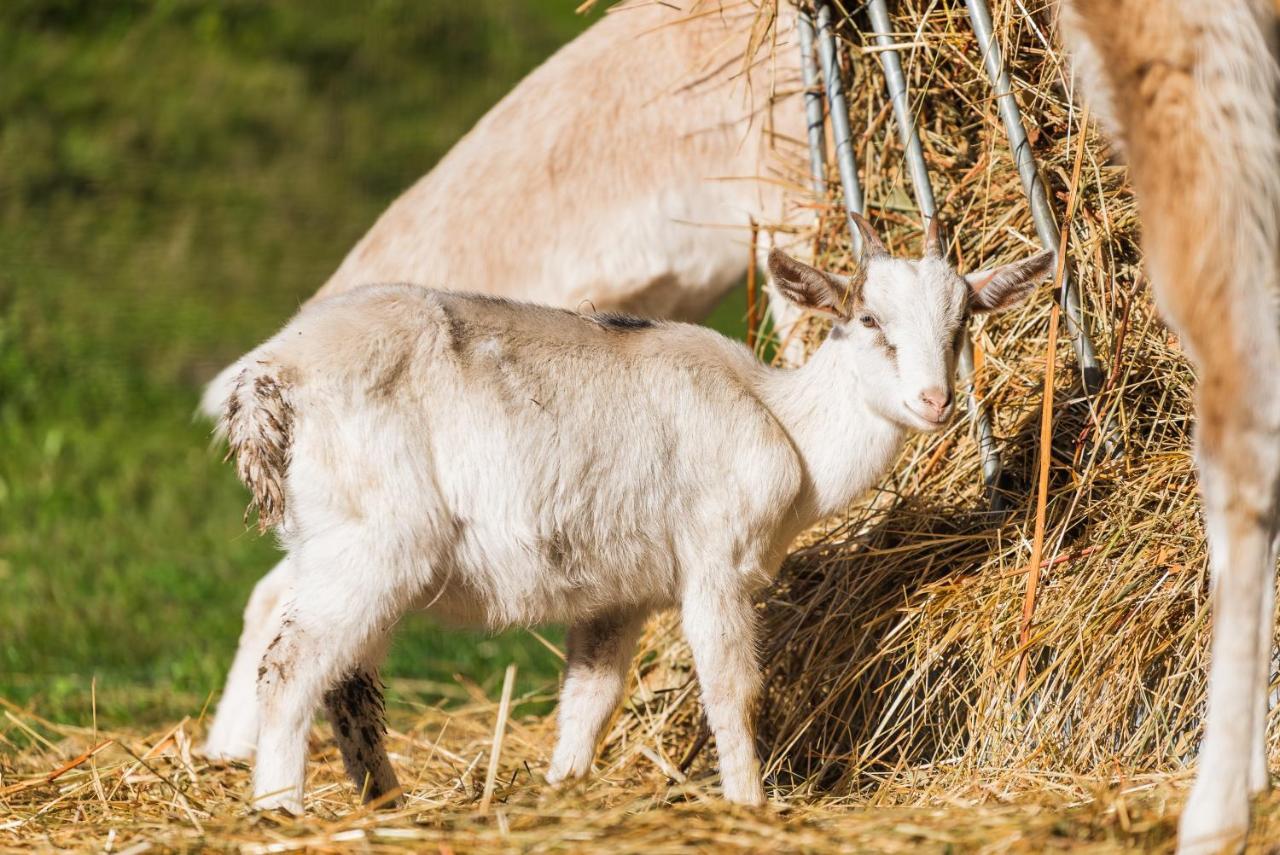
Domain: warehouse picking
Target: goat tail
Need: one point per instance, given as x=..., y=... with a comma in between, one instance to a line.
x=258, y=423
x=213, y=402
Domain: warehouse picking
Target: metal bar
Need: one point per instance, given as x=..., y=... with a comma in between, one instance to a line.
x=897, y=82
x=919, y=170
x=1037, y=196
x=813, y=106
x=839, y=109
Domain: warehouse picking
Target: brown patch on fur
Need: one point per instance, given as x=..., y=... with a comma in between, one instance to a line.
x=357, y=711
x=259, y=425
x=882, y=342
x=277, y=663
x=393, y=378
x=459, y=332
x=593, y=645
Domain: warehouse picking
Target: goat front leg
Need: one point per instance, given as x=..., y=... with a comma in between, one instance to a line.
x=1240, y=475
x=599, y=651
x=720, y=626
x=234, y=732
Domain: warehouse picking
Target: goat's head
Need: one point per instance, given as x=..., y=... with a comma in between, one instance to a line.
x=899, y=324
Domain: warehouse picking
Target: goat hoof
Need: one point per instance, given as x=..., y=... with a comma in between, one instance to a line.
x=279, y=804
x=1209, y=826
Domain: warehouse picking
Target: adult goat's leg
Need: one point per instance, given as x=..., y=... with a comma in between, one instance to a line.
x=1191, y=87
x=1259, y=774
x=1240, y=514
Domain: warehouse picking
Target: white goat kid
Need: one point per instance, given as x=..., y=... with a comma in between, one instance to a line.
x=499, y=463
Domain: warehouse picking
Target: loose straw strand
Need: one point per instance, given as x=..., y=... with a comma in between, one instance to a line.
x=752, y=318
x=1046, y=420
x=504, y=707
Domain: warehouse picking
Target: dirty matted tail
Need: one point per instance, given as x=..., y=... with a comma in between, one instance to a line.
x=213, y=401
x=258, y=423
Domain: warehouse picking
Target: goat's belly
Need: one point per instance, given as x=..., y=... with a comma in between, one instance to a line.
x=670, y=253
x=682, y=298
x=502, y=582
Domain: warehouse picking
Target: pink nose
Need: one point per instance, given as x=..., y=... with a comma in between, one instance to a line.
x=937, y=402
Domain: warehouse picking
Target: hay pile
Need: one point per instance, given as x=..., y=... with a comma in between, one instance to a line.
x=891, y=640
x=146, y=793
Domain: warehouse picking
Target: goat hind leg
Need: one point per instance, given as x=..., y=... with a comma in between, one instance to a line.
x=356, y=711
x=344, y=597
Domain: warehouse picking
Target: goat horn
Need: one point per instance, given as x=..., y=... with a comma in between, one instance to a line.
x=872, y=246
x=934, y=245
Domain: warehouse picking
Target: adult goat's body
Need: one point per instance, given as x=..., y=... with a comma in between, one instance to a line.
x=1189, y=89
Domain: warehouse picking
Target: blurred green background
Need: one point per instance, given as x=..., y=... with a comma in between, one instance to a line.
x=175, y=178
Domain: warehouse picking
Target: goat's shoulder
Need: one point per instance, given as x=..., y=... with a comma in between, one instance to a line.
x=727, y=378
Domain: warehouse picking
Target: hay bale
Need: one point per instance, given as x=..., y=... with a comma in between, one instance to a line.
x=892, y=636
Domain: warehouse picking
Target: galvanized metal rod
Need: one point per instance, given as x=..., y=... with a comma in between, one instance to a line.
x=919, y=170
x=1037, y=196
x=839, y=109
x=879, y=15
x=813, y=106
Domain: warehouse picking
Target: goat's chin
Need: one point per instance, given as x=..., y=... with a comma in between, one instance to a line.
x=918, y=423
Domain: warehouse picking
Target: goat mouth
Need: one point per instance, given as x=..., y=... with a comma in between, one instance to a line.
x=928, y=423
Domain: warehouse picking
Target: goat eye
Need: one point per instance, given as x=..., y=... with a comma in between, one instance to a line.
x=868, y=321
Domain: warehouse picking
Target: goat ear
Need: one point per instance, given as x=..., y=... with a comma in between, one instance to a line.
x=1004, y=287
x=810, y=288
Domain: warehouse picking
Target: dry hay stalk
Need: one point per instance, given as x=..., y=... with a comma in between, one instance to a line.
x=891, y=639
x=82, y=789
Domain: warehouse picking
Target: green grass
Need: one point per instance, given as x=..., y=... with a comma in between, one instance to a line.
x=175, y=177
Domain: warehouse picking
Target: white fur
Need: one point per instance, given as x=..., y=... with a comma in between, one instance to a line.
x=498, y=464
